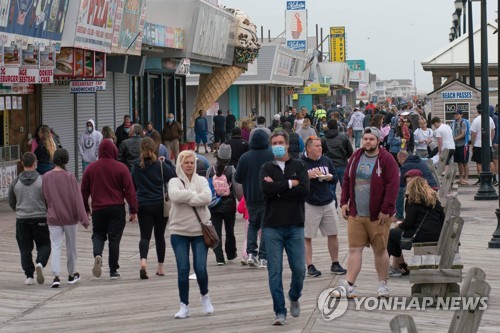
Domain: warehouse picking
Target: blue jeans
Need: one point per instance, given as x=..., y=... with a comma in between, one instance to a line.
x=357, y=137
x=255, y=221
x=180, y=244
x=340, y=174
x=291, y=239
x=400, y=203
x=84, y=166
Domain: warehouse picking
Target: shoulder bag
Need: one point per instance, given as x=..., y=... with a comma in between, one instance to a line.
x=209, y=234
x=406, y=243
x=166, y=200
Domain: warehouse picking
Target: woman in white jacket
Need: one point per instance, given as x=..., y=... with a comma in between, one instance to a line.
x=187, y=191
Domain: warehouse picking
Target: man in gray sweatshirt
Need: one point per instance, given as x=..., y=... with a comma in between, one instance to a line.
x=27, y=200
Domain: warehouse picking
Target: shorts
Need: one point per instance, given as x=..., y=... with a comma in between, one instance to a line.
x=201, y=137
x=219, y=136
x=476, y=155
x=363, y=232
x=494, y=154
x=325, y=218
x=461, y=155
x=451, y=152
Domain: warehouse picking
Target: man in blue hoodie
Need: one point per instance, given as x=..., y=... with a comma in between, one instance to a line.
x=320, y=210
x=247, y=174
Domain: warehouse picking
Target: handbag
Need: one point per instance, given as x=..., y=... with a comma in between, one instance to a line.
x=406, y=243
x=209, y=234
x=166, y=201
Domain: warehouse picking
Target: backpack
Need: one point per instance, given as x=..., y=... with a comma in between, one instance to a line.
x=219, y=186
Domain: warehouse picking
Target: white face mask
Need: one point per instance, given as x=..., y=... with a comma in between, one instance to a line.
x=90, y=129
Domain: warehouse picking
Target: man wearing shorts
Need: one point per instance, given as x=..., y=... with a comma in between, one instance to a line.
x=444, y=136
x=368, y=200
x=461, y=129
x=320, y=205
x=475, y=129
x=200, y=130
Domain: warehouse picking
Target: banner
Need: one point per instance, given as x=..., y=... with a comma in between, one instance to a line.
x=296, y=25
x=163, y=36
x=86, y=86
x=129, y=24
x=95, y=24
x=337, y=44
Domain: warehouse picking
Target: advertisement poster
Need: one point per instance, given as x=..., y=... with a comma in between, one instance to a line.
x=160, y=35
x=8, y=105
x=7, y=175
x=337, y=44
x=64, y=62
x=20, y=102
x=296, y=25
x=95, y=25
x=129, y=22
x=99, y=64
x=34, y=18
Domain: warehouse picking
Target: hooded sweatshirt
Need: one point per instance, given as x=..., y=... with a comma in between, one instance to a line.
x=185, y=194
x=108, y=181
x=384, y=185
x=148, y=181
x=249, y=166
x=26, y=196
x=414, y=162
x=64, y=199
x=320, y=194
x=337, y=147
x=88, y=143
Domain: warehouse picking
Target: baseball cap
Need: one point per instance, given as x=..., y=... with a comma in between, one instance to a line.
x=458, y=112
x=372, y=130
x=414, y=173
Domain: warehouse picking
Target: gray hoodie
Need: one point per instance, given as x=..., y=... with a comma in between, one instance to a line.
x=26, y=196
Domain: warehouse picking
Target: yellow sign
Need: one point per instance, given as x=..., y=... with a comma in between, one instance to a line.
x=317, y=89
x=337, y=44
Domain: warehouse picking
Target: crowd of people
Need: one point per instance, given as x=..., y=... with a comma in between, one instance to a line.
x=282, y=179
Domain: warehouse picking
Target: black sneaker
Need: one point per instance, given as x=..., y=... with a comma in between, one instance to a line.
x=495, y=182
x=312, y=271
x=72, y=279
x=56, y=283
x=337, y=269
x=114, y=275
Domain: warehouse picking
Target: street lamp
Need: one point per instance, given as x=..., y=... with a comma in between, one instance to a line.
x=453, y=34
x=486, y=190
x=472, y=64
x=459, y=6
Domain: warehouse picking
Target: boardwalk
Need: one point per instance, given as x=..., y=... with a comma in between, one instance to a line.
x=240, y=295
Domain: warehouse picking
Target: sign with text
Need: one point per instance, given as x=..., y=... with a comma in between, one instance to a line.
x=337, y=44
x=447, y=95
x=451, y=108
x=86, y=86
x=296, y=25
x=129, y=24
x=160, y=35
x=356, y=65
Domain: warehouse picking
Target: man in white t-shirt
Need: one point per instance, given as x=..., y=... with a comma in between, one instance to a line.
x=475, y=129
x=444, y=136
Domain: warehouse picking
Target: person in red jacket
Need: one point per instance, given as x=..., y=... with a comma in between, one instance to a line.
x=368, y=201
x=108, y=182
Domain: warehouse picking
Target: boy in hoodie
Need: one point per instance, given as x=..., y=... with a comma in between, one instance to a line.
x=247, y=174
x=109, y=183
x=27, y=200
x=369, y=193
x=88, y=144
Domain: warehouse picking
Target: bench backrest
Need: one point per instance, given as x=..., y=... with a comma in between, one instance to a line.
x=448, y=242
x=474, y=285
x=441, y=164
x=447, y=182
x=432, y=167
x=403, y=323
x=451, y=209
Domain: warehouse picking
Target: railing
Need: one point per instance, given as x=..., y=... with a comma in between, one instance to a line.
x=10, y=153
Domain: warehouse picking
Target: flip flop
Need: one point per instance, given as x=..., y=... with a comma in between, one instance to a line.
x=464, y=183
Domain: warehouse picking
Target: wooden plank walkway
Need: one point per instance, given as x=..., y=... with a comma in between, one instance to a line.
x=240, y=295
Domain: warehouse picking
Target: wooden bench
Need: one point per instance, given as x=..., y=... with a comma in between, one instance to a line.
x=451, y=209
x=437, y=274
x=464, y=320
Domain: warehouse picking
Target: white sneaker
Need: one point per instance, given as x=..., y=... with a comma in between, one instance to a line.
x=262, y=263
x=207, y=305
x=39, y=273
x=29, y=281
x=252, y=261
x=383, y=290
x=350, y=291
x=183, y=312
x=192, y=276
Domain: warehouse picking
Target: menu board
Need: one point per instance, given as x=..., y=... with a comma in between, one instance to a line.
x=79, y=63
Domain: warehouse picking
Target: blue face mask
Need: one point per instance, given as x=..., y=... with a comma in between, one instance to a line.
x=279, y=151
x=170, y=120
x=127, y=130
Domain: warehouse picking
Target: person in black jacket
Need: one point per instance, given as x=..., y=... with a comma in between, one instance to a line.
x=422, y=207
x=320, y=209
x=337, y=147
x=238, y=146
x=230, y=123
x=225, y=211
x=122, y=131
x=285, y=184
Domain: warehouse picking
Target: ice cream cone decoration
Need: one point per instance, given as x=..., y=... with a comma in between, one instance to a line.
x=296, y=26
x=212, y=86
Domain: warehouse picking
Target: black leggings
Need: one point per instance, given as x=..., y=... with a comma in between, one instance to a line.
x=152, y=217
x=394, y=243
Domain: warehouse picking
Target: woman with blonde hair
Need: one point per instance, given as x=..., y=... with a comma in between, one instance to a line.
x=423, y=210
x=45, y=150
x=108, y=133
x=190, y=196
x=150, y=179
x=297, y=123
x=246, y=128
x=306, y=130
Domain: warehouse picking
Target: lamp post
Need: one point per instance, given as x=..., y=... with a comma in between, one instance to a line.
x=472, y=69
x=459, y=6
x=494, y=243
x=456, y=21
x=486, y=190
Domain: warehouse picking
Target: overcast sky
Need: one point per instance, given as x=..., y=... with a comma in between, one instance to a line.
x=388, y=34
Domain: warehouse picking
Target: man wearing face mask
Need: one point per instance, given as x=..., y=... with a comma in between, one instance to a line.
x=122, y=131
x=88, y=144
x=285, y=185
x=171, y=134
